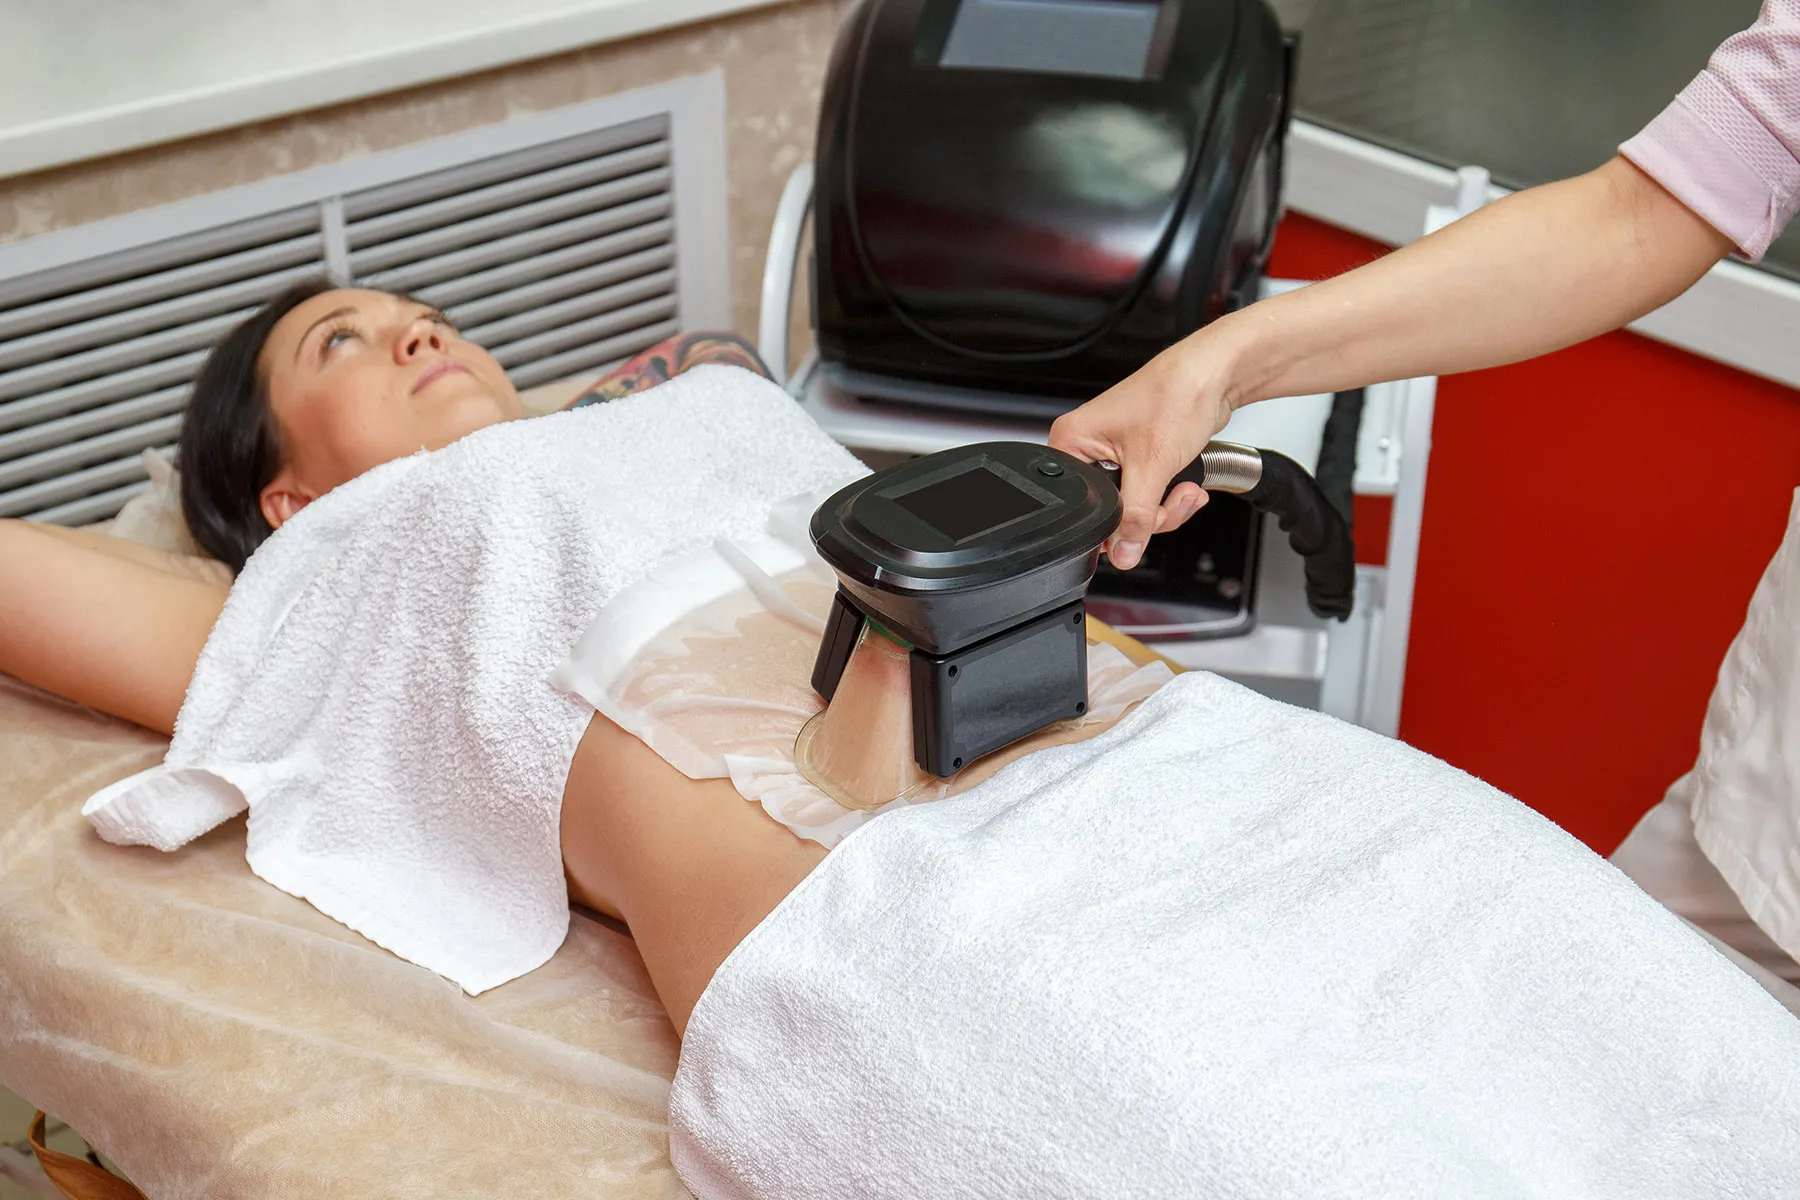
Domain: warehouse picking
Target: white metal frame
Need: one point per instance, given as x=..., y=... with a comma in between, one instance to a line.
x=1359, y=666
x=693, y=104
x=780, y=263
x=1386, y=676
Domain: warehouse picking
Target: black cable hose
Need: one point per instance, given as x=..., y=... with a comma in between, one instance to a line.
x=1316, y=530
x=1337, y=452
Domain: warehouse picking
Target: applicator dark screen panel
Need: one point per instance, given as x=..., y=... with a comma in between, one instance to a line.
x=967, y=504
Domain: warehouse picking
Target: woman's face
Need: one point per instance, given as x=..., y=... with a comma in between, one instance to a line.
x=359, y=378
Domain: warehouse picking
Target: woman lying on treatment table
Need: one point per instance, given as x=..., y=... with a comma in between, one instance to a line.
x=320, y=387
x=1225, y=948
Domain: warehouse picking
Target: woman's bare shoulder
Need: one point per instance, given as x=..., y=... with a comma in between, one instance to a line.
x=188, y=566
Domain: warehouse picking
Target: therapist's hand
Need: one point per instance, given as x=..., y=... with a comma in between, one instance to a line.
x=1152, y=424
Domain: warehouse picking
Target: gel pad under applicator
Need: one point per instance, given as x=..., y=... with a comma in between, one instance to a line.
x=708, y=659
x=859, y=751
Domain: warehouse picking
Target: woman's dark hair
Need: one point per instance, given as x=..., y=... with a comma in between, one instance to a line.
x=230, y=447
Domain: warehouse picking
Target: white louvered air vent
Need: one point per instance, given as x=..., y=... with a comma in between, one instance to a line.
x=553, y=241
x=96, y=358
x=558, y=259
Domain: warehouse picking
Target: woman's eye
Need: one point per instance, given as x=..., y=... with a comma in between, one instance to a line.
x=335, y=338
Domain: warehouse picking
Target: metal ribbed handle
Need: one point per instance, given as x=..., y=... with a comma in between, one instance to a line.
x=1281, y=487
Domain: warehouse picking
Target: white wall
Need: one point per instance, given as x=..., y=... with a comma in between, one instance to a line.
x=82, y=78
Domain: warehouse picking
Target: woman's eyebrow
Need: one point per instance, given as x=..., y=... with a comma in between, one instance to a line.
x=333, y=315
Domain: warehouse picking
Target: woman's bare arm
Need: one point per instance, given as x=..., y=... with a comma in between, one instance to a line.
x=100, y=626
x=1542, y=269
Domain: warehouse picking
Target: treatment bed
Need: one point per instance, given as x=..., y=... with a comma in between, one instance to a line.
x=1379, y=975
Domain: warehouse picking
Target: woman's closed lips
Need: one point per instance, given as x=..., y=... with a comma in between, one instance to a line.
x=437, y=371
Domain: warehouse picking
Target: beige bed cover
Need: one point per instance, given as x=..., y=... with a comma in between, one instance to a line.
x=216, y=1037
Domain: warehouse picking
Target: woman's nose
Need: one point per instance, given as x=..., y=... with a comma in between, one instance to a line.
x=420, y=337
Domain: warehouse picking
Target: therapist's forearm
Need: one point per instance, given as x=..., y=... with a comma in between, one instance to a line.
x=1531, y=273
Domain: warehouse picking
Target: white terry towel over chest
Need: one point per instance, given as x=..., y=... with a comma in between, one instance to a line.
x=377, y=690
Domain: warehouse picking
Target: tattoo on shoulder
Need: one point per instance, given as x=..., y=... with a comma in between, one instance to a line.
x=667, y=359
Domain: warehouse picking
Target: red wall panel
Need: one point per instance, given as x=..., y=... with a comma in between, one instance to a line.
x=1595, y=521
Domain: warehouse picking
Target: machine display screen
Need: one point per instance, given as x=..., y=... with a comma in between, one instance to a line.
x=1109, y=38
x=967, y=504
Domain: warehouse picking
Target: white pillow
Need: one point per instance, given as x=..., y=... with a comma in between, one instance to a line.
x=153, y=516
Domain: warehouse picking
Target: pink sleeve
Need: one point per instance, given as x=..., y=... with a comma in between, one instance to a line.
x=1727, y=145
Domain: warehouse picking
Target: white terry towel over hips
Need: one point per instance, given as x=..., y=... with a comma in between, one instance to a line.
x=1234, y=950
x=377, y=690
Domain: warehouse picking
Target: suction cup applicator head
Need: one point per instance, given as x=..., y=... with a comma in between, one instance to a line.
x=859, y=751
x=957, y=627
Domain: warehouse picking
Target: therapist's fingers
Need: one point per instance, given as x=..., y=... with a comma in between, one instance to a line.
x=1148, y=512
x=1146, y=464
x=1186, y=499
x=1100, y=432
